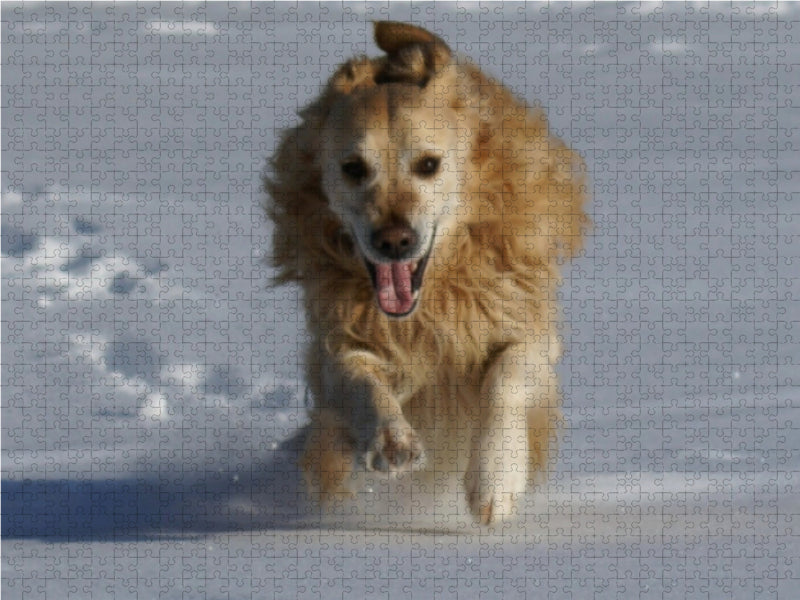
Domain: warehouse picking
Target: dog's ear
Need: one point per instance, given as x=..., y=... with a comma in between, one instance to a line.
x=355, y=73
x=414, y=54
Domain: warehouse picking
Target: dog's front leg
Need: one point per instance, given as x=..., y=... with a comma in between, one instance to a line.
x=327, y=460
x=363, y=389
x=515, y=391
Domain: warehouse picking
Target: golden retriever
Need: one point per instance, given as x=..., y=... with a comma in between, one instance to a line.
x=424, y=211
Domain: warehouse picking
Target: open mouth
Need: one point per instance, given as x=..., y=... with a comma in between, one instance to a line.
x=397, y=283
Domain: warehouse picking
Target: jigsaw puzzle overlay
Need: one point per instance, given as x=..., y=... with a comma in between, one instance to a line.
x=153, y=383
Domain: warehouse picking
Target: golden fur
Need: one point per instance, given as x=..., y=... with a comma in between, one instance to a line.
x=458, y=377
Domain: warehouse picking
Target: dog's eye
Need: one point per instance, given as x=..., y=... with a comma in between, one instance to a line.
x=427, y=166
x=355, y=169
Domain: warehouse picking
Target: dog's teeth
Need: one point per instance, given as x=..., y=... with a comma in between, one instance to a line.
x=414, y=267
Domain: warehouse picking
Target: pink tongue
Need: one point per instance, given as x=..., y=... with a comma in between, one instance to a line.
x=394, y=287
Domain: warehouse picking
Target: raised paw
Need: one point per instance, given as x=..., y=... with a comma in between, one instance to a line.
x=395, y=448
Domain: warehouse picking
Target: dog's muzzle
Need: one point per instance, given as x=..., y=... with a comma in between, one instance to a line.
x=397, y=277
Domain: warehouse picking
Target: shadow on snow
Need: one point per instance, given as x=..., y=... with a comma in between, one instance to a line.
x=269, y=495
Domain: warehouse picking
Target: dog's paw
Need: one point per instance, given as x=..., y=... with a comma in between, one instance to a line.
x=395, y=448
x=495, y=485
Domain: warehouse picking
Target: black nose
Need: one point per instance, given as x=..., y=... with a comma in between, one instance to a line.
x=394, y=242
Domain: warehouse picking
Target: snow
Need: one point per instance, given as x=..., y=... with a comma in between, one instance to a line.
x=152, y=386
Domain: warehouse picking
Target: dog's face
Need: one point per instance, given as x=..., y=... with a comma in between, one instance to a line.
x=391, y=161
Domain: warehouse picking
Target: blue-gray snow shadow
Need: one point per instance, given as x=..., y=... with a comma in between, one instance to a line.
x=268, y=495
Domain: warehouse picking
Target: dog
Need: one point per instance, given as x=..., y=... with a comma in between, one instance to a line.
x=425, y=210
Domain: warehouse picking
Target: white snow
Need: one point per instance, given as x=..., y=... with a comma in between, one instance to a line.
x=182, y=27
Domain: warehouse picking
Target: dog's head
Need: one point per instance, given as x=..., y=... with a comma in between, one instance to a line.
x=413, y=155
x=389, y=158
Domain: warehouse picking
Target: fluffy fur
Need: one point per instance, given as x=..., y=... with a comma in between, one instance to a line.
x=465, y=380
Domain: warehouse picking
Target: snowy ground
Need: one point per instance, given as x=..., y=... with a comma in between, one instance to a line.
x=150, y=377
